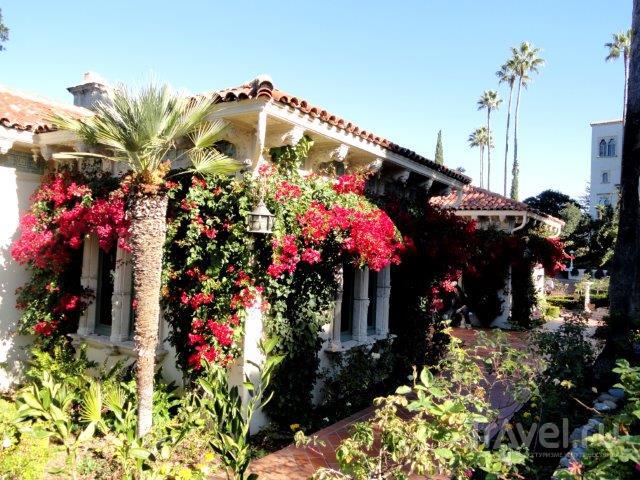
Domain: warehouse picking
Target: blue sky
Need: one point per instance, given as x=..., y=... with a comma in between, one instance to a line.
x=402, y=69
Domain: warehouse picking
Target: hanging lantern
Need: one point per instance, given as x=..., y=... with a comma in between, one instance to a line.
x=260, y=219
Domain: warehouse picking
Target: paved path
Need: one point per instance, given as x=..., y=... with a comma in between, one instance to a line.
x=300, y=463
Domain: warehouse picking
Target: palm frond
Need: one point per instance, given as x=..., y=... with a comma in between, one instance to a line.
x=91, y=409
x=212, y=162
x=207, y=134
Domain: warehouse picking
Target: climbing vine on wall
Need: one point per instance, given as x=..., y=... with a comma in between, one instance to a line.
x=67, y=206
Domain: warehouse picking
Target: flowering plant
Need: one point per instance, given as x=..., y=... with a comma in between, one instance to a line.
x=67, y=207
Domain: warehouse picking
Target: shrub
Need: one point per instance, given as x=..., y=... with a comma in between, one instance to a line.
x=439, y=437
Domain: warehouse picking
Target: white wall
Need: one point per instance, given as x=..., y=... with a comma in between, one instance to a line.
x=599, y=164
x=15, y=189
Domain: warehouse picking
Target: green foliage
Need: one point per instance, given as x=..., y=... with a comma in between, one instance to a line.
x=439, y=437
x=569, y=357
x=288, y=158
x=614, y=453
x=551, y=202
x=355, y=378
x=568, y=302
x=45, y=409
x=4, y=32
x=26, y=460
x=232, y=419
x=524, y=295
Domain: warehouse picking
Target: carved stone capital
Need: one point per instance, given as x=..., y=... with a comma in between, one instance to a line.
x=402, y=176
x=319, y=155
x=289, y=137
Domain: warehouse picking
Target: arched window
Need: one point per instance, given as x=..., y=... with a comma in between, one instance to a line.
x=605, y=177
x=602, y=152
x=228, y=148
x=611, y=148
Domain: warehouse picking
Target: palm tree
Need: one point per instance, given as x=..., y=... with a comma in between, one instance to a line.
x=489, y=100
x=140, y=129
x=624, y=288
x=480, y=138
x=621, y=45
x=525, y=61
x=507, y=75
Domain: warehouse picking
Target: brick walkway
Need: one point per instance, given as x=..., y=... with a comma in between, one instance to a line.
x=300, y=463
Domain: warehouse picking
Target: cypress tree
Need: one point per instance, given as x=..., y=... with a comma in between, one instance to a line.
x=439, y=152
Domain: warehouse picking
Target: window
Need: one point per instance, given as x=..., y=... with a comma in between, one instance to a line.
x=346, y=321
x=602, y=151
x=373, y=295
x=605, y=177
x=104, y=292
x=611, y=148
x=225, y=147
x=604, y=199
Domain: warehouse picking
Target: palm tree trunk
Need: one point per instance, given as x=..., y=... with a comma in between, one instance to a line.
x=489, y=149
x=515, y=172
x=506, y=142
x=481, y=166
x=626, y=87
x=624, y=288
x=148, y=233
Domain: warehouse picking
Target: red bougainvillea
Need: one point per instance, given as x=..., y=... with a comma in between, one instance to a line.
x=63, y=212
x=66, y=208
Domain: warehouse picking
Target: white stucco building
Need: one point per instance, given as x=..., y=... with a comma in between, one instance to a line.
x=259, y=116
x=492, y=210
x=606, y=155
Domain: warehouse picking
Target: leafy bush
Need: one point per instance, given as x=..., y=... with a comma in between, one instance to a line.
x=232, y=420
x=354, y=379
x=567, y=302
x=616, y=452
x=439, y=437
x=567, y=379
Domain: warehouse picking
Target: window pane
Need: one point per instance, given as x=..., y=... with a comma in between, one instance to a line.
x=347, y=300
x=611, y=152
x=373, y=293
x=106, y=269
x=602, y=152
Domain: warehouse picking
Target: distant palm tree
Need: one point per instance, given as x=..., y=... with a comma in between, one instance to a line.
x=621, y=45
x=525, y=60
x=489, y=100
x=507, y=75
x=480, y=138
x=141, y=129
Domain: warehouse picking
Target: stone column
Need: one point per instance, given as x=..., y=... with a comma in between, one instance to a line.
x=587, y=296
x=336, y=326
x=360, y=304
x=252, y=356
x=121, y=300
x=383, y=292
x=89, y=279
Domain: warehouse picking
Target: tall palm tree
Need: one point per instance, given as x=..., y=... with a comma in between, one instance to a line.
x=141, y=129
x=507, y=75
x=480, y=138
x=489, y=100
x=526, y=60
x=621, y=46
x=624, y=288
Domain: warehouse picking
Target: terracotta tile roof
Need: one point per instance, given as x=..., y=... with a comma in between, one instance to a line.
x=22, y=112
x=263, y=88
x=474, y=198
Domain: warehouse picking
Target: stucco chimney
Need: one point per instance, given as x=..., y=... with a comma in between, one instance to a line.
x=92, y=89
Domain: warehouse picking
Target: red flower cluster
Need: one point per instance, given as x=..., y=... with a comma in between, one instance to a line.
x=62, y=214
x=287, y=191
x=350, y=184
